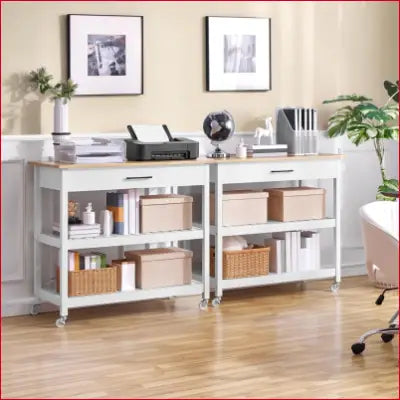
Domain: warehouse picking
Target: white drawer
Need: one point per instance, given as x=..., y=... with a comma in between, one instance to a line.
x=125, y=178
x=274, y=171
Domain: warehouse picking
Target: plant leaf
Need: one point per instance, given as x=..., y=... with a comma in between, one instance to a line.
x=392, y=89
x=348, y=97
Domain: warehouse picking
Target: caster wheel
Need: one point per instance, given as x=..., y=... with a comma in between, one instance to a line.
x=60, y=322
x=203, y=305
x=335, y=287
x=35, y=309
x=216, y=301
x=387, y=337
x=358, y=348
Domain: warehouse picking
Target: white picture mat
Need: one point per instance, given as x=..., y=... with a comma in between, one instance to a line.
x=83, y=25
x=218, y=27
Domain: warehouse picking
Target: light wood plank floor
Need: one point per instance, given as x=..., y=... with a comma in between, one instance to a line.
x=279, y=341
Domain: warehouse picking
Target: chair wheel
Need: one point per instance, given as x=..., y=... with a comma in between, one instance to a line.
x=358, y=348
x=387, y=337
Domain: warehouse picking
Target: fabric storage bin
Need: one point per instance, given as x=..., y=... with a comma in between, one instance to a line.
x=242, y=207
x=91, y=281
x=162, y=267
x=242, y=263
x=165, y=212
x=296, y=203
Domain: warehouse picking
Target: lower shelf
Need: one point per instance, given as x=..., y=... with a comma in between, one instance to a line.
x=194, y=288
x=273, y=278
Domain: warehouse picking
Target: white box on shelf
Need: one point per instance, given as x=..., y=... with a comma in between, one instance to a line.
x=286, y=237
x=277, y=255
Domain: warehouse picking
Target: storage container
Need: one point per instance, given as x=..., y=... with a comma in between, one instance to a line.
x=165, y=212
x=242, y=207
x=162, y=267
x=125, y=274
x=296, y=203
x=91, y=281
x=242, y=263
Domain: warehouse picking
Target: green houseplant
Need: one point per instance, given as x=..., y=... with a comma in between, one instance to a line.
x=361, y=121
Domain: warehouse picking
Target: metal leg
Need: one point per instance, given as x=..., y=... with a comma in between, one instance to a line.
x=388, y=331
x=337, y=188
x=37, y=221
x=394, y=317
x=63, y=257
x=206, y=242
x=218, y=188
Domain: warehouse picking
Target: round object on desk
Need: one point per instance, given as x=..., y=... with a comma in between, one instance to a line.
x=218, y=126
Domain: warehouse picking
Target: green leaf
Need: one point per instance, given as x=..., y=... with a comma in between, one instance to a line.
x=389, y=186
x=371, y=111
x=358, y=136
x=392, y=90
x=391, y=111
x=351, y=97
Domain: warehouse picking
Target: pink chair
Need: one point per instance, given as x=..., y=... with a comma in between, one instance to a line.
x=380, y=229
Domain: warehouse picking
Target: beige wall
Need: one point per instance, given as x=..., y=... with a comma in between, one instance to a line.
x=319, y=50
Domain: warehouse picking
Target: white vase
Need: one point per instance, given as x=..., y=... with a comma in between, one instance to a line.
x=61, y=116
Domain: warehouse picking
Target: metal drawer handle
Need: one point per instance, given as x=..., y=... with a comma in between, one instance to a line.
x=132, y=178
x=282, y=170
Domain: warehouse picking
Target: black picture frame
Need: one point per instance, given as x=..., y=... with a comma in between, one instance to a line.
x=70, y=56
x=208, y=39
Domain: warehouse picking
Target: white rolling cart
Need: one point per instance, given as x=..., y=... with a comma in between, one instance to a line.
x=65, y=178
x=274, y=169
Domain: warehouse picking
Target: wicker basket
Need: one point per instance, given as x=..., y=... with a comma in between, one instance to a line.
x=242, y=263
x=92, y=281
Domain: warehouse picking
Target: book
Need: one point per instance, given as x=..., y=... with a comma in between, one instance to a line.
x=126, y=212
x=137, y=211
x=307, y=247
x=132, y=211
x=315, y=254
x=76, y=254
x=286, y=237
x=267, y=148
x=85, y=236
x=275, y=154
x=276, y=255
x=71, y=261
x=115, y=203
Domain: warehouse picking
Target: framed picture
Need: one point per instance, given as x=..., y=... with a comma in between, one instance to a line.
x=105, y=54
x=238, y=54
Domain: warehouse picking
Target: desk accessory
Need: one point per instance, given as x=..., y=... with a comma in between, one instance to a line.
x=89, y=216
x=241, y=150
x=155, y=143
x=267, y=132
x=297, y=127
x=218, y=126
x=73, y=212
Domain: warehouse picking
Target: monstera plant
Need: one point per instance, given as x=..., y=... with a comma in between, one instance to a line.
x=361, y=121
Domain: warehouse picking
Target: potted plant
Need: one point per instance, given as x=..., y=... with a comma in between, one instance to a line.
x=60, y=92
x=361, y=121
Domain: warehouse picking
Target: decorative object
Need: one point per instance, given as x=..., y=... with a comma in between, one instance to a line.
x=365, y=121
x=218, y=126
x=241, y=150
x=268, y=132
x=61, y=93
x=105, y=54
x=73, y=212
x=89, y=216
x=238, y=54
x=106, y=220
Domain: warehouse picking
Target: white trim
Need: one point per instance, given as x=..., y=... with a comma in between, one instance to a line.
x=39, y=137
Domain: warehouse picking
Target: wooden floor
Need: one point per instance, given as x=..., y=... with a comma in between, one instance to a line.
x=280, y=341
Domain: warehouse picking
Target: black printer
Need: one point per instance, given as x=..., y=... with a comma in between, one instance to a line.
x=154, y=142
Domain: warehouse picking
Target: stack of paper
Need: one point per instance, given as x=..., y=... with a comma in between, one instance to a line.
x=80, y=231
x=86, y=151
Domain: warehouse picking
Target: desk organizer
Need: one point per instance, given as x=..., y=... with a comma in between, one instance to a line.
x=297, y=127
x=162, y=267
x=242, y=263
x=296, y=203
x=165, y=212
x=242, y=207
x=92, y=281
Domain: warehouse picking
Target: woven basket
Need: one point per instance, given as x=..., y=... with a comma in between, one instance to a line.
x=92, y=281
x=242, y=263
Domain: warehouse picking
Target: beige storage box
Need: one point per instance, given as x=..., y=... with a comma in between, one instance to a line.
x=296, y=203
x=242, y=207
x=162, y=267
x=165, y=212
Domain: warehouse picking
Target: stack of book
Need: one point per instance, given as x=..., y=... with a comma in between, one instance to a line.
x=80, y=231
x=124, y=206
x=267, y=150
x=86, y=151
x=84, y=261
x=294, y=251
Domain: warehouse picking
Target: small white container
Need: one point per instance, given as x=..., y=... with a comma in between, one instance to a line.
x=106, y=221
x=241, y=150
x=89, y=216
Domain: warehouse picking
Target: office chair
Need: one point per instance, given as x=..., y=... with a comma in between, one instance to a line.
x=380, y=230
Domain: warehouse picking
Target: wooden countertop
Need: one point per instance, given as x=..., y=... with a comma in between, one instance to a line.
x=199, y=161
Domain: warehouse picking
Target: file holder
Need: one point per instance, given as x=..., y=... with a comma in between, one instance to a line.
x=297, y=127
